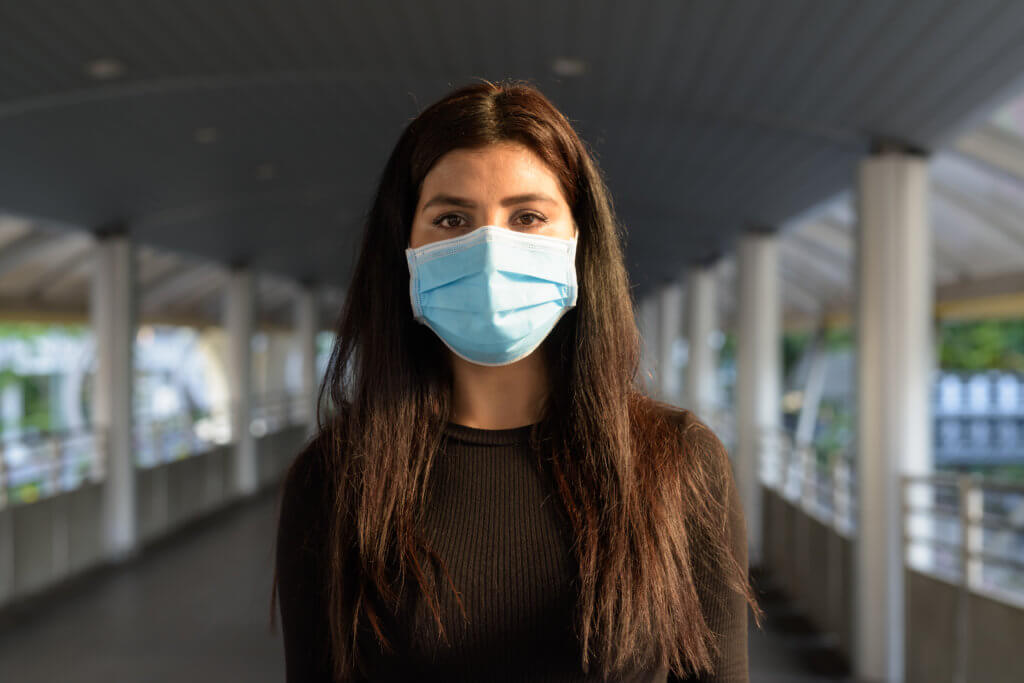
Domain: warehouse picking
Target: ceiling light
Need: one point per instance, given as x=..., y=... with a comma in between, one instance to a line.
x=569, y=66
x=265, y=171
x=105, y=68
x=206, y=135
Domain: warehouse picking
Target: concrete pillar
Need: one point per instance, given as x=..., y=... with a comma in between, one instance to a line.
x=894, y=347
x=113, y=310
x=670, y=318
x=239, y=314
x=758, y=373
x=649, y=340
x=701, y=393
x=306, y=326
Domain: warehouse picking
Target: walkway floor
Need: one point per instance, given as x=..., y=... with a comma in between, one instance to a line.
x=196, y=608
x=787, y=649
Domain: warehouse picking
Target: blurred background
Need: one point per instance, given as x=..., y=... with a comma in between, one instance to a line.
x=824, y=215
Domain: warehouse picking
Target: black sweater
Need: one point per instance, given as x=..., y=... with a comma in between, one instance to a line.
x=495, y=521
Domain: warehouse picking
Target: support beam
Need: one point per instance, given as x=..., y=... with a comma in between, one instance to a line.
x=27, y=247
x=113, y=311
x=58, y=272
x=239, y=314
x=670, y=317
x=701, y=324
x=177, y=284
x=894, y=349
x=758, y=379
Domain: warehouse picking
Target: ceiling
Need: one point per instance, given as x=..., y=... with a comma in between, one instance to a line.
x=46, y=275
x=254, y=132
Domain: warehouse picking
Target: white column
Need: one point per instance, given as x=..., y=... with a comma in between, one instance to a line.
x=649, y=343
x=239, y=313
x=702, y=357
x=112, y=310
x=758, y=381
x=670, y=318
x=894, y=347
x=306, y=329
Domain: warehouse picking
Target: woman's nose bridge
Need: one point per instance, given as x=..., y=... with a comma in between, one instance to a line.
x=493, y=214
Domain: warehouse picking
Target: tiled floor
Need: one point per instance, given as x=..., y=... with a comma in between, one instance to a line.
x=196, y=608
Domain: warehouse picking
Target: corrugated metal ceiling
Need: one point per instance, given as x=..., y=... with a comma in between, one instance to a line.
x=254, y=131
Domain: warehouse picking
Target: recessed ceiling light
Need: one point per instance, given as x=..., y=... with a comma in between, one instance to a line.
x=569, y=66
x=206, y=135
x=105, y=68
x=265, y=171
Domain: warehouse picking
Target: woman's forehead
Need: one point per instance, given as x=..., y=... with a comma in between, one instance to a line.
x=505, y=168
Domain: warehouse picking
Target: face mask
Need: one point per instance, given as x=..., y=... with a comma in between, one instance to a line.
x=492, y=295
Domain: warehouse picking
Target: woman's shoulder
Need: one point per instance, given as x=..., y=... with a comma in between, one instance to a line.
x=683, y=428
x=307, y=467
x=305, y=483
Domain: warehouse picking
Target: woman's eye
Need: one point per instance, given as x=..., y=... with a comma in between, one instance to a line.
x=530, y=219
x=449, y=220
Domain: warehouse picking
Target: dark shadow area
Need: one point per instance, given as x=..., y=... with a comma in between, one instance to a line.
x=789, y=647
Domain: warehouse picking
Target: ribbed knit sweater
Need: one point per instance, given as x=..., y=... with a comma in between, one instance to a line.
x=496, y=521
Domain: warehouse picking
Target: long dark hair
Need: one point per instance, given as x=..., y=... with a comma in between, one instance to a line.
x=643, y=497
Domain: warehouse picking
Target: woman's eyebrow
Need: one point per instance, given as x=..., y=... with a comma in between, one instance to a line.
x=529, y=197
x=449, y=200
x=452, y=200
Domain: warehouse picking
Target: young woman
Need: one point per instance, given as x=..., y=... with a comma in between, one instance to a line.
x=491, y=497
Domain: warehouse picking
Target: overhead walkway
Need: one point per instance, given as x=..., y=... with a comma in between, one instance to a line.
x=775, y=165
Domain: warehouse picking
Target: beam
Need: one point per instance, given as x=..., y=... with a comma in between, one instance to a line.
x=26, y=248
x=995, y=148
x=177, y=284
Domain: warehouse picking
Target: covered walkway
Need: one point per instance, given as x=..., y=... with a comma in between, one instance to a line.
x=183, y=185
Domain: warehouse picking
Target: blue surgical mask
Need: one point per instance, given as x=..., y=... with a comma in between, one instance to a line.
x=493, y=294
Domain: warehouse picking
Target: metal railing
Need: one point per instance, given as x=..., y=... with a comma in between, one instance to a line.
x=968, y=529
x=42, y=465
x=955, y=526
x=276, y=410
x=168, y=438
x=823, y=486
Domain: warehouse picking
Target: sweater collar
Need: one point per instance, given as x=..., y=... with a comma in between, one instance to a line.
x=491, y=437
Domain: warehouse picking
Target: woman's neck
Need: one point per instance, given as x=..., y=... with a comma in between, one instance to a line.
x=498, y=397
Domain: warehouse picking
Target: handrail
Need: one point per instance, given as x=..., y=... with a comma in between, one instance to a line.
x=985, y=548
x=61, y=460
x=972, y=556
x=971, y=516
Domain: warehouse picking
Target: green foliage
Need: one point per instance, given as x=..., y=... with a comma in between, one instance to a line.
x=728, y=350
x=835, y=431
x=982, y=345
x=31, y=331
x=839, y=338
x=27, y=493
x=793, y=346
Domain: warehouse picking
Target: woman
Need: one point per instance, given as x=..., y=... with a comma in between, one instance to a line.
x=492, y=497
